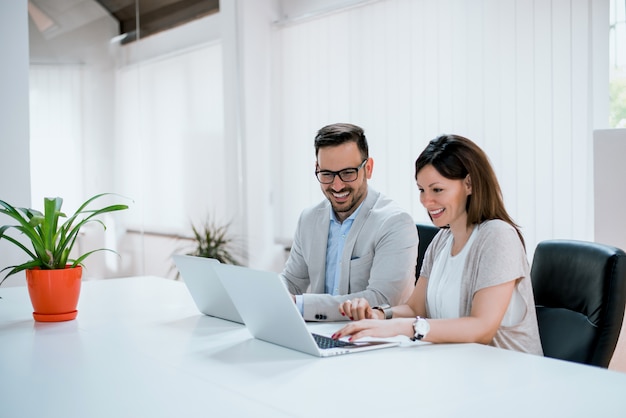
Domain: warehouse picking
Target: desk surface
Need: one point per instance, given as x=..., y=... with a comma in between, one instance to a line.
x=140, y=348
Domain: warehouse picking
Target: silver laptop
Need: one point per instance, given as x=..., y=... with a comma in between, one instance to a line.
x=271, y=315
x=205, y=287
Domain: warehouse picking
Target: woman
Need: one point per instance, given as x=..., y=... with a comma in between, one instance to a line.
x=474, y=285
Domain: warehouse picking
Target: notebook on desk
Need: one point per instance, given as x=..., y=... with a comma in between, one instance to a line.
x=205, y=287
x=271, y=315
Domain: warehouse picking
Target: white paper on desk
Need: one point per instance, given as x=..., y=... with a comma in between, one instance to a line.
x=329, y=328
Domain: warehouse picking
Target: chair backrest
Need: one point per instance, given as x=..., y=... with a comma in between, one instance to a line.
x=426, y=233
x=580, y=294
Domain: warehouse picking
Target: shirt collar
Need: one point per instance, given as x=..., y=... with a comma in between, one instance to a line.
x=351, y=218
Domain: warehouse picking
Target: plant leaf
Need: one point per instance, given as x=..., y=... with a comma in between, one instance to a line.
x=51, y=242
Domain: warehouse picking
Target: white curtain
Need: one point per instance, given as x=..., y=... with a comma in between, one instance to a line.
x=526, y=80
x=170, y=142
x=56, y=131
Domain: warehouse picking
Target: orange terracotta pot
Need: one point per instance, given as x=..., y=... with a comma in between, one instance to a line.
x=54, y=293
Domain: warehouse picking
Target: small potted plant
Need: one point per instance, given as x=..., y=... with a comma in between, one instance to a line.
x=53, y=278
x=213, y=240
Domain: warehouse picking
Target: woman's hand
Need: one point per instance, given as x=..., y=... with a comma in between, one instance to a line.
x=358, y=308
x=375, y=328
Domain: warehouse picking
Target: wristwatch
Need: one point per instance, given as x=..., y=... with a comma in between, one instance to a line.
x=421, y=328
x=385, y=309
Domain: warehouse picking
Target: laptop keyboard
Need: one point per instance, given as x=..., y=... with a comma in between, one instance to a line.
x=324, y=342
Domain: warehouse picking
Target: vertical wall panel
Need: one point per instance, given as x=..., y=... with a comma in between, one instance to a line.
x=338, y=67
x=582, y=143
x=376, y=85
x=317, y=47
x=492, y=82
x=562, y=116
x=523, y=135
x=356, y=48
x=599, y=63
x=542, y=177
x=296, y=179
x=397, y=135
x=474, y=70
x=444, y=64
x=507, y=168
x=431, y=74
x=459, y=57
x=420, y=134
x=380, y=59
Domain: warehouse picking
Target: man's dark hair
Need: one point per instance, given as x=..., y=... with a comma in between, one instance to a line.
x=339, y=133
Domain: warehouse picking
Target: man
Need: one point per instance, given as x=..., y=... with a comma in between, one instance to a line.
x=357, y=242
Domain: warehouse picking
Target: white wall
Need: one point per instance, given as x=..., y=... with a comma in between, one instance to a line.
x=14, y=146
x=527, y=80
x=248, y=53
x=609, y=149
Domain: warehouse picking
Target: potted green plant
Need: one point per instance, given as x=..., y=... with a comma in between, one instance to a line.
x=53, y=278
x=213, y=240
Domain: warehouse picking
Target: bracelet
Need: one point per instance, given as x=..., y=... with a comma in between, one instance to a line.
x=386, y=310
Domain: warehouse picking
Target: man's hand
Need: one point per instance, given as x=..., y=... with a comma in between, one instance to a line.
x=359, y=308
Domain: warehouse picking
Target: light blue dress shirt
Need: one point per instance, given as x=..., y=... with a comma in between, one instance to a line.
x=337, y=234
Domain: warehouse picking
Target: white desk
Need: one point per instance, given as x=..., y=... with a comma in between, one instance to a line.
x=140, y=348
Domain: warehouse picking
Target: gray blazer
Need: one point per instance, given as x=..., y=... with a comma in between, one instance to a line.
x=378, y=261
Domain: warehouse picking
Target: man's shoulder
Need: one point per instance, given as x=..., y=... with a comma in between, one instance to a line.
x=387, y=215
x=384, y=206
x=322, y=207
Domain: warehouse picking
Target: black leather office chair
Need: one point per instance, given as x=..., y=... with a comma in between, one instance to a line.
x=580, y=293
x=426, y=233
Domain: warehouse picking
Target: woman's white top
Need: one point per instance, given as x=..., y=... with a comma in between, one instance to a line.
x=444, y=284
x=493, y=255
x=443, y=296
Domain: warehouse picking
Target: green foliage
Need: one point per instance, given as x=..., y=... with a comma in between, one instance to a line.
x=51, y=240
x=618, y=102
x=213, y=241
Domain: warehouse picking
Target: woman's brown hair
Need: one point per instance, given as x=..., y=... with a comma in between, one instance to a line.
x=454, y=157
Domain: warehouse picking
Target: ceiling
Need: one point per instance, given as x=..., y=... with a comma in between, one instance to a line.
x=155, y=15
x=55, y=17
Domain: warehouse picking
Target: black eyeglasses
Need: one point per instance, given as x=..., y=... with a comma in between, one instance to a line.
x=346, y=175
